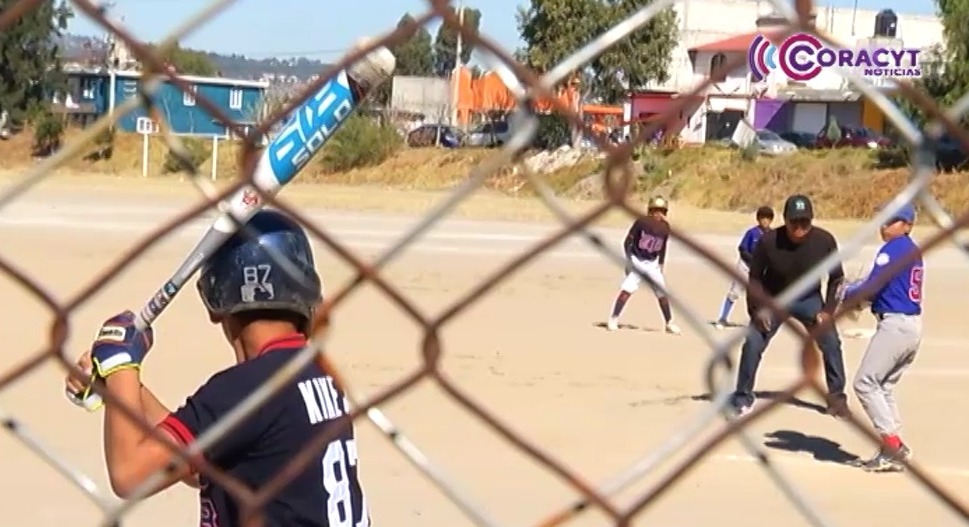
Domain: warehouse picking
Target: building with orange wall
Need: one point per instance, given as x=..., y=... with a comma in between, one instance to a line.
x=477, y=97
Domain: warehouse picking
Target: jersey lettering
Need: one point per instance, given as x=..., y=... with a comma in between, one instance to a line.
x=322, y=400
x=338, y=457
x=650, y=243
x=915, y=285
x=208, y=517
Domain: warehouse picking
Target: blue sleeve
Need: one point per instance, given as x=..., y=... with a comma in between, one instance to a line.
x=747, y=242
x=884, y=256
x=213, y=400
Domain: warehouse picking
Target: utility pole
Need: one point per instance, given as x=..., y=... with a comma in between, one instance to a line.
x=456, y=74
x=112, y=62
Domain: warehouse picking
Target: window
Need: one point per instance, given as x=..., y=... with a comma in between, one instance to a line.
x=716, y=66
x=87, y=88
x=235, y=99
x=188, y=98
x=146, y=125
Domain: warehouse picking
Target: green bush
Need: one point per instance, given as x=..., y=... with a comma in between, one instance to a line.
x=893, y=157
x=197, y=152
x=102, y=147
x=553, y=132
x=48, y=131
x=656, y=169
x=750, y=152
x=360, y=142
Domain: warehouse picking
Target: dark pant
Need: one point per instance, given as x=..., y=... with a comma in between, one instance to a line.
x=805, y=311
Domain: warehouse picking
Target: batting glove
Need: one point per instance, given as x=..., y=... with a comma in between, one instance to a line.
x=119, y=345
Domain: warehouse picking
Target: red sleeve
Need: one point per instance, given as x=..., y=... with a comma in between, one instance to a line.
x=177, y=429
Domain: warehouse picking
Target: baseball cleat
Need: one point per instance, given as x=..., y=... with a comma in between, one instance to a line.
x=739, y=406
x=837, y=405
x=612, y=324
x=882, y=462
x=673, y=329
x=887, y=461
x=739, y=410
x=905, y=452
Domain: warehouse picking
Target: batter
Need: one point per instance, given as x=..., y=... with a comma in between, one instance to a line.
x=898, y=307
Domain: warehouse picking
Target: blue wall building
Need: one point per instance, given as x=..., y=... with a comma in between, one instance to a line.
x=94, y=93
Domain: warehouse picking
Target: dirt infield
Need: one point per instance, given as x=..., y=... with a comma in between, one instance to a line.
x=531, y=352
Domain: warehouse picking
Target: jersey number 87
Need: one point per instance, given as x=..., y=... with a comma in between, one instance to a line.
x=339, y=456
x=915, y=285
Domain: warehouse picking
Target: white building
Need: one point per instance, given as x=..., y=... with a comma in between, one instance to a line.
x=707, y=21
x=716, y=32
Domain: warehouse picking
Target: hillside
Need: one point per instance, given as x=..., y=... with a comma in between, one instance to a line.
x=81, y=48
x=845, y=183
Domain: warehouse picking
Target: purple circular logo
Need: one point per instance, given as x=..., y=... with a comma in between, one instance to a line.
x=798, y=57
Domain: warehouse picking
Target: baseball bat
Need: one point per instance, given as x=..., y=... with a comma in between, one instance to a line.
x=301, y=137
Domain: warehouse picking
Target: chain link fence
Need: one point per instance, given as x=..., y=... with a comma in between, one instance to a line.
x=527, y=85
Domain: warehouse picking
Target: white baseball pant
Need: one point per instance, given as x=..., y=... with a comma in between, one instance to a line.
x=738, y=288
x=649, y=269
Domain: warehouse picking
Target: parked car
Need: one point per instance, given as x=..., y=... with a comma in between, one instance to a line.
x=804, y=140
x=771, y=144
x=434, y=134
x=489, y=134
x=853, y=136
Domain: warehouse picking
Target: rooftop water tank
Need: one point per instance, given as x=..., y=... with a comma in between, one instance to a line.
x=886, y=23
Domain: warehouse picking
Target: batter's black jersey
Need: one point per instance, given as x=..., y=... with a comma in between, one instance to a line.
x=327, y=493
x=647, y=239
x=778, y=262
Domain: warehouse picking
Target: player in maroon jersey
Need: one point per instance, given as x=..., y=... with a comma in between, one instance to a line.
x=645, y=249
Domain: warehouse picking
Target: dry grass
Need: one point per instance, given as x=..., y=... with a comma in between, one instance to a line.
x=842, y=182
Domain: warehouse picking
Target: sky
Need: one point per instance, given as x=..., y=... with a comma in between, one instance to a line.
x=324, y=29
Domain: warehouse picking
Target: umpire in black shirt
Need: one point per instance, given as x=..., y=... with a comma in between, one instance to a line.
x=784, y=255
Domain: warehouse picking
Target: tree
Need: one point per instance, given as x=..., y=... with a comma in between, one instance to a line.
x=954, y=14
x=446, y=43
x=30, y=68
x=945, y=79
x=641, y=58
x=187, y=61
x=554, y=29
x=415, y=56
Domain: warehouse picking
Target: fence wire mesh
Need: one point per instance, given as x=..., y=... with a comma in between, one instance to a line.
x=526, y=85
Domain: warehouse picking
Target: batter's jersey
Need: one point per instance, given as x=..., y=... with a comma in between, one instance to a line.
x=327, y=493
x=647, y=239
x=903, y=292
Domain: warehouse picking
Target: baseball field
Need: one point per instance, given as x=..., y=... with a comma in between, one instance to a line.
x=531, y=352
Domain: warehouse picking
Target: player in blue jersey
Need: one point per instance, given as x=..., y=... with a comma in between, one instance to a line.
x=645, y=249
x=261, y=287
x=764, y=217
x=897, y=304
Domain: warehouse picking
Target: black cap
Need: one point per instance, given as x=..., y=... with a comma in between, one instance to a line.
x=798, y=207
